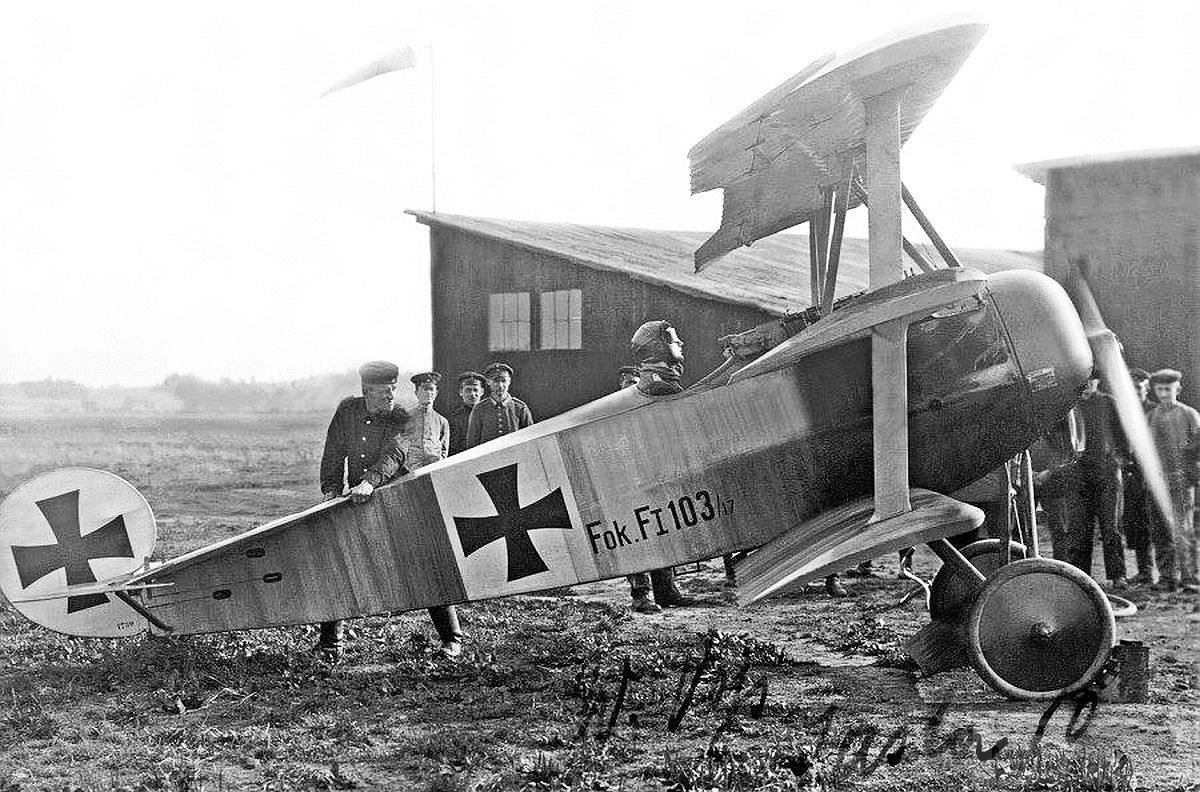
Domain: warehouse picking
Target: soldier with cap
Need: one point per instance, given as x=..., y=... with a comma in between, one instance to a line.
x=427, y=440
x=471, y=386
x=659, y=352
x=660, y=582
x=363, y=450
x=1176, y=431
x=500, y=413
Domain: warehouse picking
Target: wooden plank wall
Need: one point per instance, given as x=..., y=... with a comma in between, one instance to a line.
x=1138, y=223
x=468, y=267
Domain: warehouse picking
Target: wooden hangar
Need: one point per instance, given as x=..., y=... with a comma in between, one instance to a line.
x=620, y=277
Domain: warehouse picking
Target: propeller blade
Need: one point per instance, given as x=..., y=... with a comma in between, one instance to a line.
x=1106, y=350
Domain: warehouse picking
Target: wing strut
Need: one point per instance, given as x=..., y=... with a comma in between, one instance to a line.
x=926, y=226
x=835, y=245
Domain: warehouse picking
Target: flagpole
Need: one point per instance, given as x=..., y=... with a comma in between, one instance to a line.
x=432, y=138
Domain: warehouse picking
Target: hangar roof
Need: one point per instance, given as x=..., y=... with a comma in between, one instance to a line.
x=1038, y=170
x=771, y=275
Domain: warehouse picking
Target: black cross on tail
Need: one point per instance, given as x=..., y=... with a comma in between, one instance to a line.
x=72, y=552
x=513, y=523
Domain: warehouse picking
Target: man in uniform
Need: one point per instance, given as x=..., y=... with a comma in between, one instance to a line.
x=658, y=350
x=1101, y=468
x=1136, y=517
x=1176, y=431
x=500, y=413
x=660, y=582
x=471, y=385
x=427, y=440
x=1101, y=481
x=363, y=450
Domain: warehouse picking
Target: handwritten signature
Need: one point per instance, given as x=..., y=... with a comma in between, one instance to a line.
x=739, y=692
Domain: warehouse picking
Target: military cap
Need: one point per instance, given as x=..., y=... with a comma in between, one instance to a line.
x=497, y=368
x=1139, y=374
x=426, y=376
x=467, y=376
x=379, y=372
x=1163, y=376
x=631, y=370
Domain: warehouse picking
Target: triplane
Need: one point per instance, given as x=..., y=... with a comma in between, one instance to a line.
x=818, y=447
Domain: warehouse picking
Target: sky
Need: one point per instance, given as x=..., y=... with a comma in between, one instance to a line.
x=174, y=197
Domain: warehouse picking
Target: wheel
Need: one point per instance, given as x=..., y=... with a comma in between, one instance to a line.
x=949, y=592
x=1039, y=629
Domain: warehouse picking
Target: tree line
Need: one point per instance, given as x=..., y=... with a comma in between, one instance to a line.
x=183, y=393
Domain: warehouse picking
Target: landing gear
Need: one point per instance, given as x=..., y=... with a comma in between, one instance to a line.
x=1039, y=629
x=1032, y=628
x=950, y=591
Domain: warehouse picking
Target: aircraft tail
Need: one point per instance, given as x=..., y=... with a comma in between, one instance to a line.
x=69, y=539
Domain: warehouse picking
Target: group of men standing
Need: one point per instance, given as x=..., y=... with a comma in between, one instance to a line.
x=371, y=440
x=1088, y=482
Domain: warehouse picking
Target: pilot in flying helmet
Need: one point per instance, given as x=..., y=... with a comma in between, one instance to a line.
x=659, y=352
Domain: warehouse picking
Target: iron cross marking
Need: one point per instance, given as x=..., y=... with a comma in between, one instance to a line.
x=72, y=552
x=512, y=523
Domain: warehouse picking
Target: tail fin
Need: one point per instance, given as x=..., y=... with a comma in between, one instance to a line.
x=68, y=540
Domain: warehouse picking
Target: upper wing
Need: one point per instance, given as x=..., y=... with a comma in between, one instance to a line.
x=774, y=158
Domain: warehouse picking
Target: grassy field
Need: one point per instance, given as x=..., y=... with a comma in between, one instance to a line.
x=553, y=693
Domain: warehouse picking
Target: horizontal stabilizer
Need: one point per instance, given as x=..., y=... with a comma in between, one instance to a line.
x=846, y=535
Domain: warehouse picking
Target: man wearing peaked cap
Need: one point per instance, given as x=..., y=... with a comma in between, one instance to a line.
x=471, y=386
x=495, y=368
x=425, y=376
x=427, y=440
x=1176, y=431
x=363, y=450
x=500, y=413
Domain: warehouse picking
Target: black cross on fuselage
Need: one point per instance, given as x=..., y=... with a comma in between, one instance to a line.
x=513, y=523
x=72, y=552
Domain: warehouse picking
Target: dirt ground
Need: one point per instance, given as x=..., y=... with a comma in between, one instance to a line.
x=569, y=691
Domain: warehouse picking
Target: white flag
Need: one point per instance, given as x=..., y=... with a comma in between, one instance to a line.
x=402, y=58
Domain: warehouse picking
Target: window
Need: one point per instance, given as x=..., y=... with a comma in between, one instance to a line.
x=508, y=321
x=562, y=319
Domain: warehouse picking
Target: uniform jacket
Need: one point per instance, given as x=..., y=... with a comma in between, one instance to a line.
x=1104, y=443
x=361, y=447
x=1176, y=431
x=426, y=438
x=459, y=418
x=490, y=420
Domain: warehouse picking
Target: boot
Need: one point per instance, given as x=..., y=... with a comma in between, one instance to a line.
x=328, y=648
x=833, y=587
x=666, y=593
x=643, y=604
x=445, y=621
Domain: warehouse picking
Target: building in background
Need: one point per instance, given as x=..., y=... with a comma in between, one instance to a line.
x=559, y=301
x=1135, y=216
